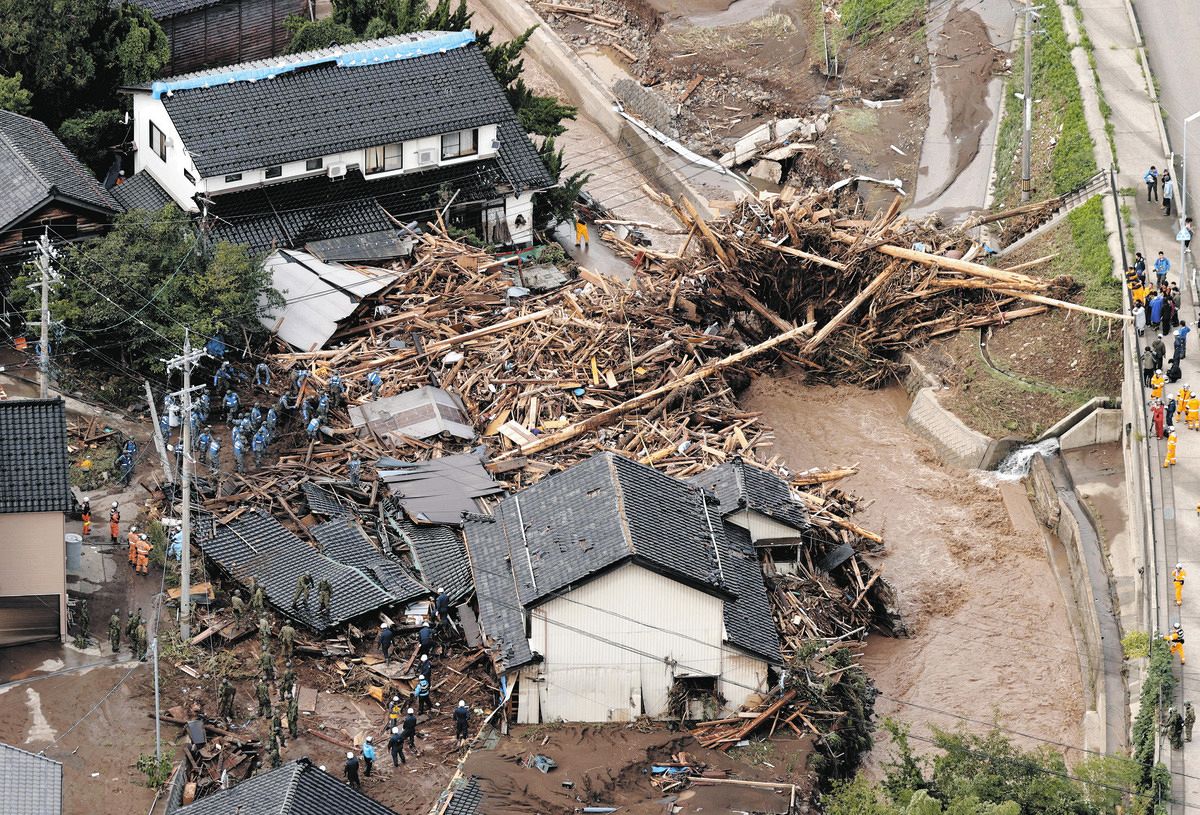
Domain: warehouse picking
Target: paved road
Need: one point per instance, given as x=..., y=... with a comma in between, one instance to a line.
x=1171, y=30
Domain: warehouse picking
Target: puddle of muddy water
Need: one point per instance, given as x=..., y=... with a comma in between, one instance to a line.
x=980, y=596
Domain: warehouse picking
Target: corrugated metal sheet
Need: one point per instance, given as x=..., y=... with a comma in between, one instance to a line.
x=587, y=677
x=742, y=675
x=317, y=295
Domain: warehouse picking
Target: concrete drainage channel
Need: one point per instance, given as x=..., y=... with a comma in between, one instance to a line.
x=1073, y=543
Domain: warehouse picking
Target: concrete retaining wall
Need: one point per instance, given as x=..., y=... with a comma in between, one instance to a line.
x=1101, y=426
x=585, y=90
x=956, y=444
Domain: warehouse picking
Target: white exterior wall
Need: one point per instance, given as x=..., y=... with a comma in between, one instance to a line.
x=742, y=676
x=519, y=205
x=170, y=173
x=584, y=678
x=761, y=527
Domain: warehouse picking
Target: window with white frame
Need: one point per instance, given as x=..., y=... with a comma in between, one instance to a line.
x=314, y=164
x=384, y=157
x=460, y=143
x=275, y=172
x=158, y=142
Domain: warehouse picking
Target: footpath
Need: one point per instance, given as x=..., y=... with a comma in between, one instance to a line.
x=1140, y=141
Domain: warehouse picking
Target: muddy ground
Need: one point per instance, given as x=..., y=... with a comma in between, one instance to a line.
x=991, y=636
x=608, y=765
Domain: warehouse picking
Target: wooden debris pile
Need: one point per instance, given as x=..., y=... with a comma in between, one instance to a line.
x=873, y=287
x=215, y=757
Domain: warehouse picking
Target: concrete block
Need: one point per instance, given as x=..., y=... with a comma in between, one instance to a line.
x=747, y=146
x=770, y=171
x=1100, y=426
x=956, y=444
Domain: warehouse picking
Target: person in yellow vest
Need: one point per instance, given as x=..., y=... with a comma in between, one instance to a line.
x=1175, y=638
x=132, y=537
x=581, y=233
x=1156, y=384
x=143, y=555
x=1185, y=393
x=1170, y=459
x=1178, y=575
x=1193, y=412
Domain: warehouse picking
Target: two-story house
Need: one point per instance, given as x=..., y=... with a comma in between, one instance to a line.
x=343, y=141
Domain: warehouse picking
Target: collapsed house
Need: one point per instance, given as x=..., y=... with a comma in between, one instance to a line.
x=608, y=588
x=340, y=142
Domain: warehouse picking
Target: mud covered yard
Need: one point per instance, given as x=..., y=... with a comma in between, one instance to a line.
x=990, y=630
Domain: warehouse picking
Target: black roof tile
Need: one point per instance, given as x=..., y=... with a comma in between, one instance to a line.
x=739, y=484
x=141, y=191
x=296, y=788
x=35, y=165
x=466, y=798
x=256, y=545
x=344, y=541
x=576, y=524
x=749, y=623
x=325, y=502
x=34, y=473
x=29, y=784
x=326, y=109
x=162, y=9
x=439, y=554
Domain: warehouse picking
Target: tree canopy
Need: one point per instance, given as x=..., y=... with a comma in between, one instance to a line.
x=973, y=774
x=128, y=296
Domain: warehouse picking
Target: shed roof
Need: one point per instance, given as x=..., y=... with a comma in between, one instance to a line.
x=35, y=167
x=33, y=456
x=29, y=784
x=420, y=414
x=163, y=9
x=256, y=545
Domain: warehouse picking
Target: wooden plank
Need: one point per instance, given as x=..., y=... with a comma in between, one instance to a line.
x=691, y=88
x=306, y=699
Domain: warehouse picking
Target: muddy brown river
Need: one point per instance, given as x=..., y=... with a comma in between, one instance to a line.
x=991, y=637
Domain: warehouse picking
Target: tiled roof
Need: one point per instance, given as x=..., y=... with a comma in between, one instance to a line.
x=256, y=545
x=29, y=784
x=439, y=554
x=749, y=623
x=141, y=192
x=741, y=485
x=581, y=522
x=296, y=788
x=35, y=165
x=344, y=541
x=329, y=108
x=162, y=9
x=325, y=502
x=466, y=798
x=33, y=456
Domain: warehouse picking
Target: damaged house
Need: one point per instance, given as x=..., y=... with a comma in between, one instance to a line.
x=611, y=591
x=343, y=142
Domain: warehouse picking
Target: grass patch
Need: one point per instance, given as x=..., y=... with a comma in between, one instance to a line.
x=1091, y=262
x=1058, y=113
x=1136, y=644
x=864, y=20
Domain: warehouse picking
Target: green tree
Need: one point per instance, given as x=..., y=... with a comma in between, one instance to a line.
x=308, y=35
x=542, y=115
x=556, y=204
x=12, y=96
x=90, y=135
x=146, y=280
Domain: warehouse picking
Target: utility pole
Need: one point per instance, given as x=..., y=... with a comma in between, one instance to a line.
x=185, y=362
x=1026, y=136
x=44, y=350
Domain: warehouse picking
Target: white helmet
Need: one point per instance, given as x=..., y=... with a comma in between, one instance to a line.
x=425, y=624
x=395, y=730
x=114, y=504
x=133, y=529
x=349, y=755
x=86, y=500
x=461, y=703
x=395, y=698
x=410, y=710
x=370, y=738
x=1178, y=565
x=385, y=625
x=424, y=658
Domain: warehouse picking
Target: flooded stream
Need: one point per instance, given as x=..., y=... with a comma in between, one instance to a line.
x=991, y=635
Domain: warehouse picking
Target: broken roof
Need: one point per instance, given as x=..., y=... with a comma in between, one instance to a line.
x=438, y=552
x=316, y=296
x=333, y=100
x=419, y=414
x=739, y=484
x=29, y=784
x=325, y=502
x=581, y=522
x=344, y=541
x=256, y=545
x=33, y=456
x=466, y=798
x=440, y=490
x=296, y=788
x=36, y=167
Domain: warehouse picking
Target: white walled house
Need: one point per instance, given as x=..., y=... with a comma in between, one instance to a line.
x=603, y=587
x=342, y=141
